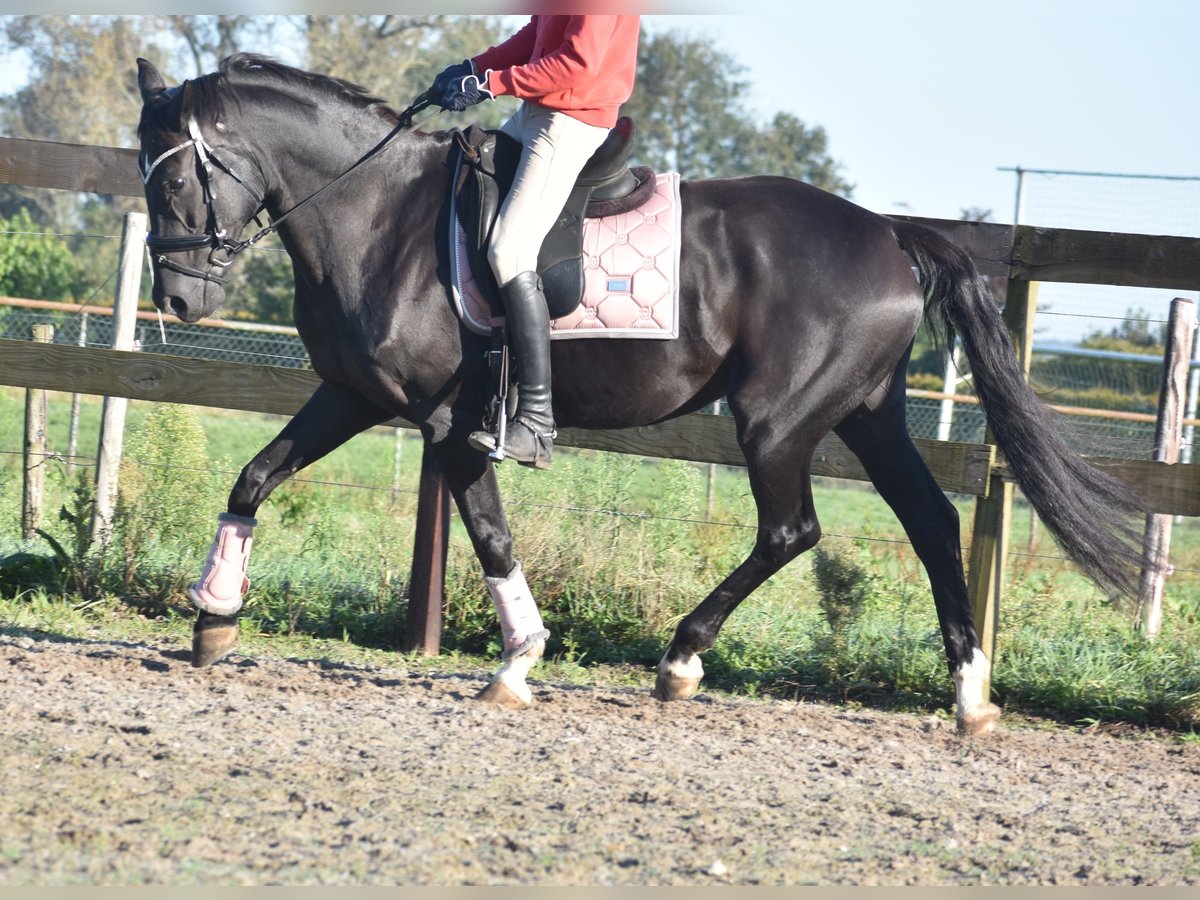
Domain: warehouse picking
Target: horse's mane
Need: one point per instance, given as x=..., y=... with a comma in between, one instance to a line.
x=254, y=69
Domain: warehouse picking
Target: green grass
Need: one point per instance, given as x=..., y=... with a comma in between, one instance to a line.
x=616, y=551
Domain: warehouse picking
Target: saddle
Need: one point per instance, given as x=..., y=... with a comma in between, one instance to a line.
x=607, y=186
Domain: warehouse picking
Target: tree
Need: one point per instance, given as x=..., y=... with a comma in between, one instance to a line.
x=83, y=90
x=34, y=265
x=788, y=147
x=686, y=106
x=209, y=39
x=397, y=57
x=689, y=109
x=1136, y=333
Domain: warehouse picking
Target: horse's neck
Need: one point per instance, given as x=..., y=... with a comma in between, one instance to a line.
x=305, y=158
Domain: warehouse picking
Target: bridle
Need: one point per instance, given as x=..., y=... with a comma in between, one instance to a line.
x=215, y=236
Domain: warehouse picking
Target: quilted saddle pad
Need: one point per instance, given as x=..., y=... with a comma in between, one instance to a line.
x=630, y=280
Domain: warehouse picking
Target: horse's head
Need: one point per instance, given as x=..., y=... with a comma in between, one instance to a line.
x=201, y=190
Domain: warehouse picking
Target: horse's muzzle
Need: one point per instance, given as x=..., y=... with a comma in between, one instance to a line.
x=189, y=306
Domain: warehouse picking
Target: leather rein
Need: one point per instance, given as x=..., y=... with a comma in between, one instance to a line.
x=216, y=237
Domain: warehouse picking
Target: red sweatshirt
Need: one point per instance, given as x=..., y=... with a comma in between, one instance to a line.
x=581, y=65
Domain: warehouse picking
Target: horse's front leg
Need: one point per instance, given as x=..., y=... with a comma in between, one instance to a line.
x=472, y=482
x=331, y=417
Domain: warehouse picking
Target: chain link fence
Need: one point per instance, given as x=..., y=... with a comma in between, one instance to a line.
x=236, y=342
x=279, y=346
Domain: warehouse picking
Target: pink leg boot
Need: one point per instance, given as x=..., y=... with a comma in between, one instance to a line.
x=223, y=582
x=520, y=621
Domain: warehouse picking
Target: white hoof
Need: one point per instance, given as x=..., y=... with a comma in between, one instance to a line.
x=979, y=721
x=678, y=681
x=508, y=689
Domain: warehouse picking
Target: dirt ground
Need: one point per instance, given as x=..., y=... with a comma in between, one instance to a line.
x=122, y=765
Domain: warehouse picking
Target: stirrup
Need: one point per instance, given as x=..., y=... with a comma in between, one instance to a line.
x=538, y=455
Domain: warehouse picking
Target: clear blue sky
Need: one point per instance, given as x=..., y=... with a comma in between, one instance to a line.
x=924, y=100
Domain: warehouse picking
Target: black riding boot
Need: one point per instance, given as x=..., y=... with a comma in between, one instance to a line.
x=530, y=435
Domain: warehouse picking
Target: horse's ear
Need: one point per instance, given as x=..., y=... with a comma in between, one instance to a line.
x=187, y=102
x=150, y=82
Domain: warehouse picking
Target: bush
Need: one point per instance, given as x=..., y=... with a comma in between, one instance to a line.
x=34, y=265
x=166, y=507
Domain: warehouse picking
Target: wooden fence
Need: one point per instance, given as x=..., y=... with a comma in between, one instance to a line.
x=1021, y=254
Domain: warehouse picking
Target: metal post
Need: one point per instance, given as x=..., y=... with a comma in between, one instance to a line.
x=397, y=455
x=1193, y=392
x=427, y=583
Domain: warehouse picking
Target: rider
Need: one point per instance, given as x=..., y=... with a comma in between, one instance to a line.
x=573, y=73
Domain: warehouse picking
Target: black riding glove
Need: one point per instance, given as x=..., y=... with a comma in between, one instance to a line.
x=465, y=92
x=450, y=74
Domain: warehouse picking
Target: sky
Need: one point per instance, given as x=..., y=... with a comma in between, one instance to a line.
x=925, y=103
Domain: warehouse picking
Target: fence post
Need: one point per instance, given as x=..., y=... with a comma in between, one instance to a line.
x=949, y=387
x=73, y=434
x=35, y=448
x=993, y=514
x=427, y=581
x=1156, y=545
x=112, y=423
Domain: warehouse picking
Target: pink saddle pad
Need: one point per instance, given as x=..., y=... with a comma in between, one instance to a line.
x=630, y=274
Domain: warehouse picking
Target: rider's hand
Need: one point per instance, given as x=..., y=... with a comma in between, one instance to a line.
x=450, y=74
x=465, y=92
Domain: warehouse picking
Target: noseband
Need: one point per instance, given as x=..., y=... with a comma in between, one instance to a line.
x=217, y=237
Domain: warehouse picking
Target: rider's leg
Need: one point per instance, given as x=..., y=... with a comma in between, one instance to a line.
x=555, y=149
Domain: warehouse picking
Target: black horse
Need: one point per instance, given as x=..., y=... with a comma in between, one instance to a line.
x=798, y=306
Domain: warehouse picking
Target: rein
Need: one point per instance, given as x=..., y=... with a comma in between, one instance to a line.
x=216, y=237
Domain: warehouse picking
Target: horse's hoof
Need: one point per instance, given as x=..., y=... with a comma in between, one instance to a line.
x=979, y=721
x=212, y=638
x=500, y=694
x=678, y=680
x=674, y=687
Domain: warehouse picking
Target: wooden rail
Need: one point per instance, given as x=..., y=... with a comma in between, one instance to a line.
x=961, y=467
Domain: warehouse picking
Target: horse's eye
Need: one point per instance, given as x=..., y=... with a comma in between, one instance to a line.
x=176, y=184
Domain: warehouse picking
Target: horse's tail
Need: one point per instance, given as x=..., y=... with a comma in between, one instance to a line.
x=1087, y=510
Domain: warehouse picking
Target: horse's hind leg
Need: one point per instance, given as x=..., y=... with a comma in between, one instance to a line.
x=778, y=466
x=331, y=417
x=879, y=438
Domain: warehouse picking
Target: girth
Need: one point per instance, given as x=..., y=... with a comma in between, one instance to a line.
x=607, y=186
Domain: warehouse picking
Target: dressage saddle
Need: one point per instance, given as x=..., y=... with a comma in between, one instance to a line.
x=485, y=168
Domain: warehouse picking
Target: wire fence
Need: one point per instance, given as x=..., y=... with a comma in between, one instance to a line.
x=236, y=343
x=1135, y=383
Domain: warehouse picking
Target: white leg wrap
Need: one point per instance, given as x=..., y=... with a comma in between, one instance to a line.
x=969, y=683
x=520, y=621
